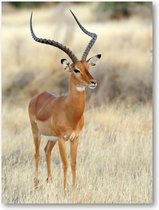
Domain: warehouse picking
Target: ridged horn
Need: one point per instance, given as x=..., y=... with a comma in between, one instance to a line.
x=92, y=41
x=53, y=43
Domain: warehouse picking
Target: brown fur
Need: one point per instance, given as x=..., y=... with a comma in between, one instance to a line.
x=60, y=116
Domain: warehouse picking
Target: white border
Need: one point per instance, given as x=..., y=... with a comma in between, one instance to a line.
x=155, y=205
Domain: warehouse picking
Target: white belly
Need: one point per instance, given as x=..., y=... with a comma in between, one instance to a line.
x=50, y=138
x=55, y=138
x=43, y=129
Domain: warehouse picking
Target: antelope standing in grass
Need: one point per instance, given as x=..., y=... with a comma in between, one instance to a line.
x=60, y=118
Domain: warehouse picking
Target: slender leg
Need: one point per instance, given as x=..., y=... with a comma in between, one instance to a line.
x=73, y=150
x=49, y=146
x=37, y=146
x=62, y=149
x=37, y=156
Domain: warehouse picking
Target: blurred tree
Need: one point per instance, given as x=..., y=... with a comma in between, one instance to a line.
x=117, y=10
x=22, y=4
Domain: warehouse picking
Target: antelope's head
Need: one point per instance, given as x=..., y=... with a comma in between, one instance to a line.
x=78, y=68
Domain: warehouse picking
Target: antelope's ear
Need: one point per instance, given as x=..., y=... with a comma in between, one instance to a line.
x=66, y=64
x=93, y=60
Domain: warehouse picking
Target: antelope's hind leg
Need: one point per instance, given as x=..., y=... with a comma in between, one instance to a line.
x=48, y=148
x=37, y=154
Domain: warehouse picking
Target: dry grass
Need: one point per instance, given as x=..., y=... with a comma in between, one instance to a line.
x=115, y=151
x=114, y=159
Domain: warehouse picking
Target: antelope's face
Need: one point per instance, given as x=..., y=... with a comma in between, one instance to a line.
x=81, y=74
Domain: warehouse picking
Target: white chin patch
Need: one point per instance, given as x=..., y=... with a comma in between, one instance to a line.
x=80, y=88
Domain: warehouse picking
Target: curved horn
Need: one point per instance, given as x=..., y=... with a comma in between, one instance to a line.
x=92, y=41
x=53, y=43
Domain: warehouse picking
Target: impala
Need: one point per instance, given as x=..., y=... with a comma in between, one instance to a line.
x=60, y=118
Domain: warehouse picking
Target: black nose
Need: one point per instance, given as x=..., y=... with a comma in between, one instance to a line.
x=93, y=82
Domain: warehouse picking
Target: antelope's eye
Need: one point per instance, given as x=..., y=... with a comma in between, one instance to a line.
x=76, y=70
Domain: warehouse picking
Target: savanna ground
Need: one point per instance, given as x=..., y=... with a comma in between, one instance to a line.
x=115, y=152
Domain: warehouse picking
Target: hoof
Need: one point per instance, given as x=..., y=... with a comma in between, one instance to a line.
x=36, y=182
x=49, y=180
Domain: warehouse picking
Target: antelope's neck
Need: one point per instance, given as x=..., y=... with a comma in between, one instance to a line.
x=76, y=98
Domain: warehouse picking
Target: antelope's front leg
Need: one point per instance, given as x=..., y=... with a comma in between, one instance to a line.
x=62, y=149
x=73, y=150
